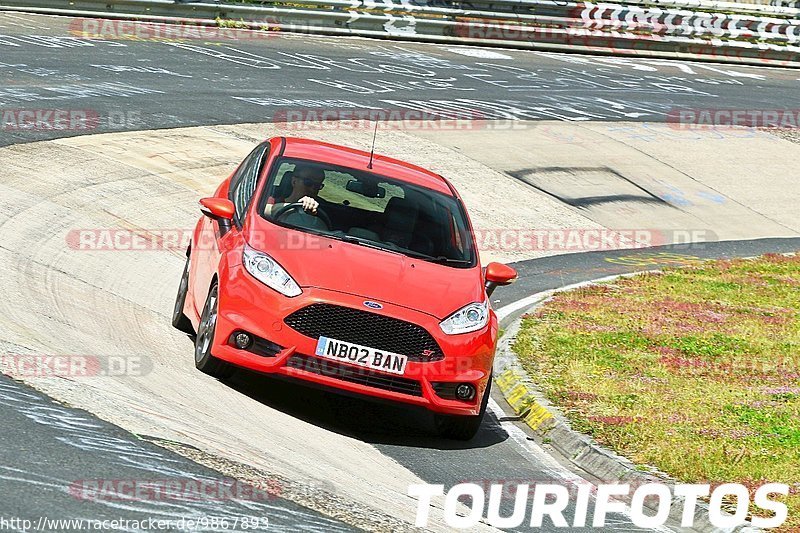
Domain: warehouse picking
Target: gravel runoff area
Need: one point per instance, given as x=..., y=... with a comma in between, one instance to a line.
x=695, y=371
x=790, y=134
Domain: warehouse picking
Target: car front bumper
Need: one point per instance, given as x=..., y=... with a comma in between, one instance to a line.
x=247, y=305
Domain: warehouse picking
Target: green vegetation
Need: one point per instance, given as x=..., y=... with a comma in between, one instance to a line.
x=695, y=371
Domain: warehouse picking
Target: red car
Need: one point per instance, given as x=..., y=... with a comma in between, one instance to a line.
x=352, y=272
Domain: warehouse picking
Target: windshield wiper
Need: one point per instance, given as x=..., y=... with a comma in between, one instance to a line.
x=436, y=259
x=363, y=242
x=440, y=259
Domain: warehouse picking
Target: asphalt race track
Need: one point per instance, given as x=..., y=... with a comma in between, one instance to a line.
x=66, y=450
x=130, y=84
x=140, y=84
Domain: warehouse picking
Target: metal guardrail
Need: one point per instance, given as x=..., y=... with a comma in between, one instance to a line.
x=687, y=29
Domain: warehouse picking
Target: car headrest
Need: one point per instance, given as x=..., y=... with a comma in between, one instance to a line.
x=401, y=214
x=284, y=189
x=401, y=218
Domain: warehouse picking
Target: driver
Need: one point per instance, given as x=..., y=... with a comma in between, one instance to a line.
x=307, y=181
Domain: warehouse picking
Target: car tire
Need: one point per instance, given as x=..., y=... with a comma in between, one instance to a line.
x=203, y=359
x=457, y=427
x=179, y=320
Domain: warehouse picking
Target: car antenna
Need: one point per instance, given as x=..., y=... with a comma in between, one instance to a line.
x=372, y=152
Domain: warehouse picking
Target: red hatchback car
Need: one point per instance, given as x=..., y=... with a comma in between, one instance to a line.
x=324, y=264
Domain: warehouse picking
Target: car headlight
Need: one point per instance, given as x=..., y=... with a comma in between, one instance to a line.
x=471, y=317
x=266, y=270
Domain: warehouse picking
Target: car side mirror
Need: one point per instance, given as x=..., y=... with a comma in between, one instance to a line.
x=219, y=209
x=497, y=275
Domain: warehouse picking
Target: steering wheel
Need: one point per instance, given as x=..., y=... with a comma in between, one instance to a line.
x=297, y=206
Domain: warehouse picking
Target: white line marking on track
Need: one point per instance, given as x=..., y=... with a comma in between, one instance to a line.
x=478, y=52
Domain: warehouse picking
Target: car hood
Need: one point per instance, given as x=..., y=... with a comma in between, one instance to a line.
x=378, y=275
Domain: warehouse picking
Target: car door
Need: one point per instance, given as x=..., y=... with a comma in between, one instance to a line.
x=206, y=256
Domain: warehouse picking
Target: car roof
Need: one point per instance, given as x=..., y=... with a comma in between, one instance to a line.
x=299, y=148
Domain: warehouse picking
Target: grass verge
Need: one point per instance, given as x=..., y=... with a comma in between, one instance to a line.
x=695, y=371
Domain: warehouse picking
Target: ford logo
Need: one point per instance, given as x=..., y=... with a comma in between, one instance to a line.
x=373, y=305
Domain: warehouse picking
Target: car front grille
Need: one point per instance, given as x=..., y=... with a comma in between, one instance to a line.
x=356, y=375
x=367, y=329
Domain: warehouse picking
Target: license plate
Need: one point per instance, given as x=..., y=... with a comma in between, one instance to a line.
x=355, y=354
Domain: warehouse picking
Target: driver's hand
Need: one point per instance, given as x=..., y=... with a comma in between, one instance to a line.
x=309, y=204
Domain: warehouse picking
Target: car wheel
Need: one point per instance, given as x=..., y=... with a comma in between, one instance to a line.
x=203, y=360
x=179, y=320
x=458, y=427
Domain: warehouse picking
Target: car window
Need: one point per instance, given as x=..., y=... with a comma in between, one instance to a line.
x=244, y=181
x=372, y=209
x=335, y=191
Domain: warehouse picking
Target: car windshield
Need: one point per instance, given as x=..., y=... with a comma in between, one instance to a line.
x=370, y=210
